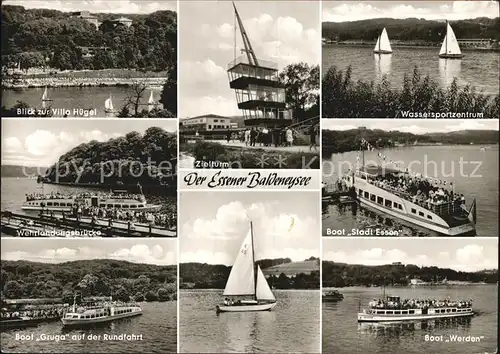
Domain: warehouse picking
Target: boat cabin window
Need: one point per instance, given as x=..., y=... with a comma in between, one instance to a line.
x=56, y=204
x=420, y=213
x=453, y=310
x=372, y=197
x=142, y=205
x=125, y=206
x=429, y=217
x=448, y=310
x=388, y=203
x=397, y=312
x=360, y=192
x=380, y=200
x=49, y=203
x=133, y=206
x=413, y=211
x=367, y=195
x=411, y=312
x=390, y=312
x=109, y=205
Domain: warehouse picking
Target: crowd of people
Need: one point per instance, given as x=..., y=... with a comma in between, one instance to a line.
x=419, y=191
x=38, y=313
x=418, y=304
x=102, y=196
x=265, y=137
x=54, y=195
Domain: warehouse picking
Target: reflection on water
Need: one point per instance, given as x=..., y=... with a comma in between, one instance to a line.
x=382, y=64
x=449, y=69
x=478, y=68
x=291, y=327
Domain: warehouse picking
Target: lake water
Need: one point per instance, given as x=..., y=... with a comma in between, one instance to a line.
x=158, y=326
x=76, y=97
x=484, y=188
x=343, y=335
x=480, y=69
x=293, y=326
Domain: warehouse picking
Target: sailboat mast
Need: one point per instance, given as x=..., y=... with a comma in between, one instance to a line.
x=253, y=262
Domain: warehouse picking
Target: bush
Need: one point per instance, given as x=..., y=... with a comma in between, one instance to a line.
x=342, y=97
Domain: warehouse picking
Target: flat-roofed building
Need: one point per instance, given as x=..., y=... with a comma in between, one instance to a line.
x=85, y=15
x=206, y=122
x=124, y=21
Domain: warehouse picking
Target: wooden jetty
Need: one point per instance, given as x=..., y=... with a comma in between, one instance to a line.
x=25, y=322
x=24, y=225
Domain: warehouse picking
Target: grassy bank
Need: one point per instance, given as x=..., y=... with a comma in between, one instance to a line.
x=250, y=157
x=342, y=97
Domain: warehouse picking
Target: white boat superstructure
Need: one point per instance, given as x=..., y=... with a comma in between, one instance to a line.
x=405, y=313
x=450, y=48
x=247, y=280
x=99, y=314
x=383, y=45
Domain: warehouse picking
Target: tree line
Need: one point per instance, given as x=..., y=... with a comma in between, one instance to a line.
x=210, y=276
x=42, y=37
x=335, y=141
x=122, y=280
x=148, y=159
x=411, y=29
x=341, y=275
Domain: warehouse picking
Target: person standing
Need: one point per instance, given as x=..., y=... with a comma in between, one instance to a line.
x=289, y=137
x=312, y=137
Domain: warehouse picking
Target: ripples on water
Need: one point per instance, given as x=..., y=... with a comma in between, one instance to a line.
x=291, y=327
x=484, y=188
x=480, y=69
x=158, y=326
x=343, y=335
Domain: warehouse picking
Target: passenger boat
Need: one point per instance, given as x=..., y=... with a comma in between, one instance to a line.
x=332, y=296
x=92, y=313
x=371, y=185
x=391, y=314
x=118, y=199
x=247, y=280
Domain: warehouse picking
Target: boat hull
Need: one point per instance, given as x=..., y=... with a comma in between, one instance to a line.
x=466, y=229
x=382, y=51
x=77, y=322
x=365, y=317
x=245, y=308
x=451, y=56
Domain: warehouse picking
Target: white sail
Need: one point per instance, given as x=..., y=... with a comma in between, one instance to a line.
x=241, y=280
x=45, y=94
x=108, y=104
x=450, y=43
x=383, y=44
x=263, y=291
x=151, y=98
x=377, y=45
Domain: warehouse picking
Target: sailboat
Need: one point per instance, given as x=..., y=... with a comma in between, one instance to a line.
x=383, y=46
x=151, y=102
x=108, y=105
x=247, y=280
x=450, y=48
x=45, y=96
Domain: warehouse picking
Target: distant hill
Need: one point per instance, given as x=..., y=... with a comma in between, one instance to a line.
x=335, y=141
x=410, y=29
x=341, y=274
x=97, y=277
x=282, y=273
x=21, y=171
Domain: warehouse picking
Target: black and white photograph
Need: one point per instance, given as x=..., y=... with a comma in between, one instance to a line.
x=250, y=84
x=249, y=274
x=392, y=296
x=410, y=59
x=89, y=59
x=89, y=178
x=89, y=296
x=410, y=177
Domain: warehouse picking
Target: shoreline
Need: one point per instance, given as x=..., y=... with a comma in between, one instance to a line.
x=402, y=45
x=326, y=150
x=83, y=82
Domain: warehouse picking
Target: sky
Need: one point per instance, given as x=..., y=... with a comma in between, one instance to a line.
x=345, y=11
x=415, y=126
x=94, y=6
x=461, y=254
x=213, y=225
x=39, y=142
x=150, y=251
x=280, y=31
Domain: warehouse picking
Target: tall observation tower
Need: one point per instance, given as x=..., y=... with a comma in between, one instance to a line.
x=259, y=94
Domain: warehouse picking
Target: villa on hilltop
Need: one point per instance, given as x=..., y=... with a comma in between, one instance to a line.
x=85, y=15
